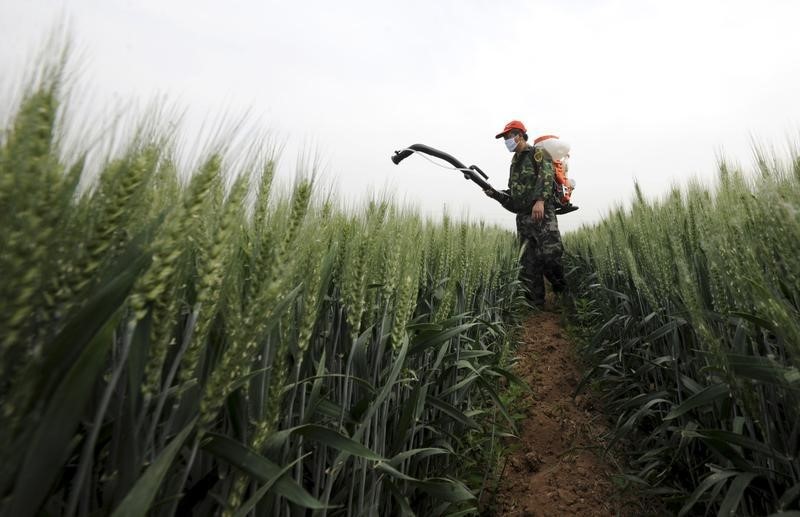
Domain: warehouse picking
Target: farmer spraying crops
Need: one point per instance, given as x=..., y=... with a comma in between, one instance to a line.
x=538, y=191
x=532, y=198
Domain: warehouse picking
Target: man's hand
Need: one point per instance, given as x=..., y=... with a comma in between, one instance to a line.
x=497, y=196
x=537, y=214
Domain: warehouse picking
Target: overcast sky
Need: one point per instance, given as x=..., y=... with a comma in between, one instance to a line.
x=652, y=90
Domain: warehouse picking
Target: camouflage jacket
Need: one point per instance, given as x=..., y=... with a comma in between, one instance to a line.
x=530, y=178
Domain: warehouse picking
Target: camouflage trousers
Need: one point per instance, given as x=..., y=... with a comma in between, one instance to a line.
x=542, y=255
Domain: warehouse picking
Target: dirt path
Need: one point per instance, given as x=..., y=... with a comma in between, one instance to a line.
x=557, y=468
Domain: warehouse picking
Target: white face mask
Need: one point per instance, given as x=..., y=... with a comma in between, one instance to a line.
x=511, y=144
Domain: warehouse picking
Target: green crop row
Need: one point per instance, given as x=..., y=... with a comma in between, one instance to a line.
x=690, y=307
x=220, y=347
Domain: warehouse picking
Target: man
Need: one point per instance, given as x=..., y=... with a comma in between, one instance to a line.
x=530, y=191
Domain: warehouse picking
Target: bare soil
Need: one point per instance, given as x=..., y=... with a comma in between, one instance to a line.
x=558, y=466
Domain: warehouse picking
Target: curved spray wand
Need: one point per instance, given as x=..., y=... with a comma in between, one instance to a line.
x=472, y=173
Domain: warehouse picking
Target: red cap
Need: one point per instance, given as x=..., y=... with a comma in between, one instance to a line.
x=544, y=137
x=514, y=124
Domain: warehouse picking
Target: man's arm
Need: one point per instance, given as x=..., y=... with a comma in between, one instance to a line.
x=543, y=188
x=502, y=197
x=521, y=185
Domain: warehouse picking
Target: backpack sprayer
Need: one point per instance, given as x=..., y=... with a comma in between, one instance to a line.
x=562, y=186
